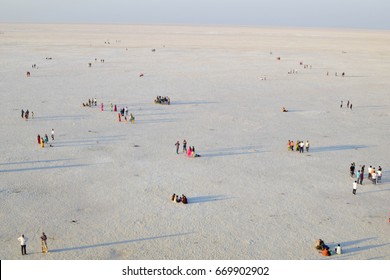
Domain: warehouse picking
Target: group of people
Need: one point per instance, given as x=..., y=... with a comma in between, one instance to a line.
x=324, y=249
x=178, y=199
x=163, y=100
x=374, y=175
x=23, y=243
x=190, y=151
x=349, y=105
x=45, y=139
x=126, y=118
x=25, y=114
x=90, y=103
x=300, y=146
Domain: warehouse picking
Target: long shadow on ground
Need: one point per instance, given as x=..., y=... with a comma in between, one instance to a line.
x=116, y=243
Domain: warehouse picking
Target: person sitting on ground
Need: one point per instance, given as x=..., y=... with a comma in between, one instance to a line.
x=320, y=244
x=189, y=153
x=284, y=109
x=193, y=154
x=326, y=252
x=184, y=199
x=178, y=199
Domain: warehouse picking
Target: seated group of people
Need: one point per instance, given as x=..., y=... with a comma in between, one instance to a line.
x=162, y=100
x=191, y=152
x=178, y=199
x=322, y=247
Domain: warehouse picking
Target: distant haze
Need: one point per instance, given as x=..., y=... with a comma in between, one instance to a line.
x=373, y=14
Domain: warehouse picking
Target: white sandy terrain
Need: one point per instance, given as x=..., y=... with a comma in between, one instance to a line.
x=103, y=190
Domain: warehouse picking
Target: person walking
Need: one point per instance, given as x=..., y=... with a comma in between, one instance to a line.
x=184, y=146
x=23, y=241
x=177, y=147
x=44, y=243
x=354, y=187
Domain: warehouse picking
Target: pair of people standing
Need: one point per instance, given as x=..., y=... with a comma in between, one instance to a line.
x=23, y=243
x=177, y=144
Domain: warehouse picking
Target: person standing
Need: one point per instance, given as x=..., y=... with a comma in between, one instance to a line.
x=358, y=176
x=354, y=187
x=307, y=145
x=52, y=134
x=184, y=146
x=22, y=113
x=44, y=243
x=23, y=241
x=177, y=147
x=341, y=105
x=361, y=178
x=301, y=145
x=369, y=172
x=352, y=169
x=350, y=106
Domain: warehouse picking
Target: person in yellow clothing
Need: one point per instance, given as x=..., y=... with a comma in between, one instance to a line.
x=44, y=243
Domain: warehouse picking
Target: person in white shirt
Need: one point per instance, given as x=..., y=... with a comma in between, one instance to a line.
x=373, y=177
x=379, y=176
x=23, y=241
x=354, y=185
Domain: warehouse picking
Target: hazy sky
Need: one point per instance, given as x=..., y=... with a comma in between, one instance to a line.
x=305, y=13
